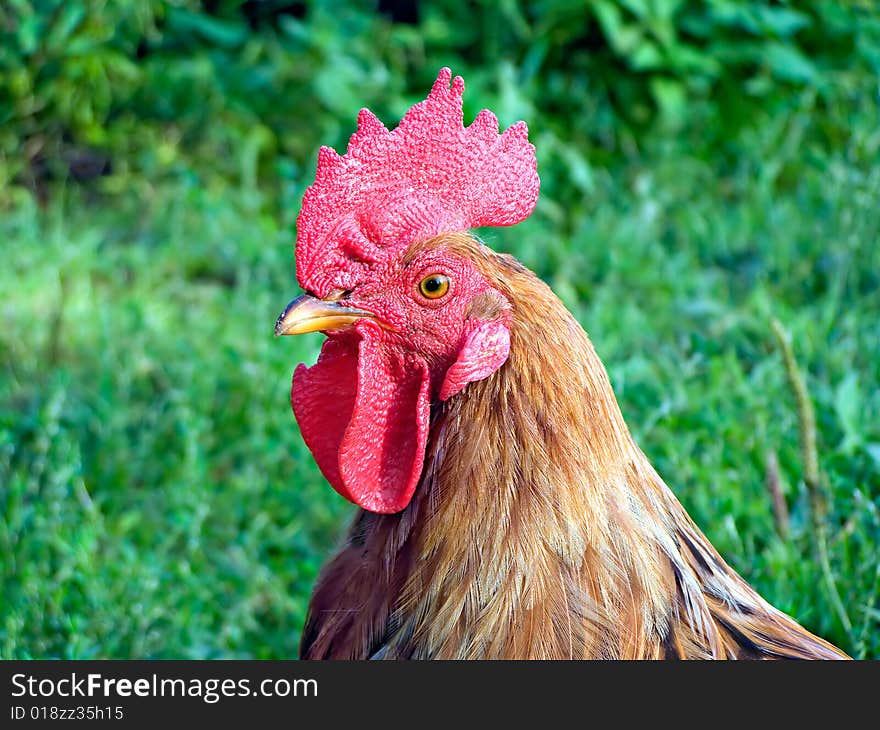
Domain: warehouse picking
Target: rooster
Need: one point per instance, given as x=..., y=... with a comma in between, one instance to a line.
x=506, y=511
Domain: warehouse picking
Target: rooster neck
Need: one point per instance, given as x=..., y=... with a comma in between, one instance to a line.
x=540, y=530
x=532, y=484
x=540, y=443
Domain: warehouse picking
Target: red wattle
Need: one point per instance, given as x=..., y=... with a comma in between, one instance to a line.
x=363, y=410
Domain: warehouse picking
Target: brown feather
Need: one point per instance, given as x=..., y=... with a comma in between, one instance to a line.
x=539, y=529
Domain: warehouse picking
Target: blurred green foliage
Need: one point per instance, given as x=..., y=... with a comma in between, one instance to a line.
x=705, y=166
x=247, y=90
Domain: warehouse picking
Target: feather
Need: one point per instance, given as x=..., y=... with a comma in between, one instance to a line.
x=539, y=529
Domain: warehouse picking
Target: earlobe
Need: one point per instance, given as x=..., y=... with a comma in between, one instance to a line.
x=484, y=350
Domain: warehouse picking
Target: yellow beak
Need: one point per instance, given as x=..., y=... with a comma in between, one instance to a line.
x=308, y=314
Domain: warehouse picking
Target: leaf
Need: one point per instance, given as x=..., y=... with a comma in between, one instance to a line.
x=788, y=63
x=873, y=450
x=670, y=97
x=639, y=8
x=784, y=22
x=223, y=33
x=28, y=34
x=580, y=172
x=848, y=405
x=622, y=37
x=646, y=56
x=68, y=21
x=295, y=29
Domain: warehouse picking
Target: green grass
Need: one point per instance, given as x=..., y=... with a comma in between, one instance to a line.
x=157, y=499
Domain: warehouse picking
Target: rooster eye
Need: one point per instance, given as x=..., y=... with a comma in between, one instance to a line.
x=434, y=286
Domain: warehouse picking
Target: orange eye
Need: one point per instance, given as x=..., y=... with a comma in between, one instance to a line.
x=434, y=286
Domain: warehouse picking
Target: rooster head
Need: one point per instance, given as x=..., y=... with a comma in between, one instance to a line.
x=410, y=320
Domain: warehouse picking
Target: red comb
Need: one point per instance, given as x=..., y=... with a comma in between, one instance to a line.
x=429, y=175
